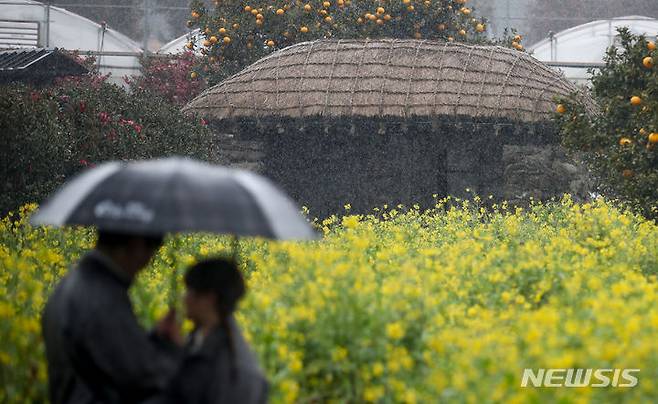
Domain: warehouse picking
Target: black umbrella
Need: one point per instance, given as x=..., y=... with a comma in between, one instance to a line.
x=173, y=195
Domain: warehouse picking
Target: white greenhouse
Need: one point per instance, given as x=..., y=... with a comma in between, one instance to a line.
x=31, y=24
x=178, y=45
x=576, y=49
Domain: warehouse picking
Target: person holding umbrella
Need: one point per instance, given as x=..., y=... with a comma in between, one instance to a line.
x=95, y=348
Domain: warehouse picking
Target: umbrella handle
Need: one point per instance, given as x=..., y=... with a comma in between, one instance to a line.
x=236, y=248
x=173, y=293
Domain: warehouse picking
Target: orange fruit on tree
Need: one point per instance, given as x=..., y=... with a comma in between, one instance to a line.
x=326, y=4
x=327, y=19
x=226, y=40
x=465, y=10
x=624, y=141
x=651, y=45
x=304, y=29
x=279, y=11
x=206, y=43
x=213, y=39
x=560, y=109
x=411, y=8
x=190, y=45
x=635, y=100
x=307, y=7
x=195, y=14
x=627, y=173
x=462, y=32
x=648, y=62
x=380, y=21
x=479, y=28
x=270, y=43
x=387, y=17
x=247, y=9
x=194, y=75
x=653, y=138
x=380, y=10
x=223, y=30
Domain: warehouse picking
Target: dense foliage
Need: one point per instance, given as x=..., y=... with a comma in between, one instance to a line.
x=168, y=77
x=51, y=133
x=237, y=33
x=621, y=141
x=400, y=306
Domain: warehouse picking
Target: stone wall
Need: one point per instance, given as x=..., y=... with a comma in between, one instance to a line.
x=327, y=166
x=542, y=172
x=233, y=151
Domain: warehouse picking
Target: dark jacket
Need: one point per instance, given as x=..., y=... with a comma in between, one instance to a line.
x=214, y=374
x=97, y=352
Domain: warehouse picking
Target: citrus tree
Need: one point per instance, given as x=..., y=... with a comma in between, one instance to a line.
x=621, y=140
x=237, y=33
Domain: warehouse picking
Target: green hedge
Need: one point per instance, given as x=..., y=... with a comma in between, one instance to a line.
x=51, y=133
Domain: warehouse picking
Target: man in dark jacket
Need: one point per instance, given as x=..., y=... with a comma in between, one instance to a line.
x=97, y=352
x=218, y=366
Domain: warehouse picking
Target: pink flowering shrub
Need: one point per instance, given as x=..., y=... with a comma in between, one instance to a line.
x=51, y=133
x=168, y=77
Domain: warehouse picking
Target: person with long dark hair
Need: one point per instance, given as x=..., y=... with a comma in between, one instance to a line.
x=218, y=366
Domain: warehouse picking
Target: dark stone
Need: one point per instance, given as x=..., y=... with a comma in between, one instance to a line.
x=369, y=162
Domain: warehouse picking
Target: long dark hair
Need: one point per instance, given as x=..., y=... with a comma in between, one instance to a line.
x=221, y=277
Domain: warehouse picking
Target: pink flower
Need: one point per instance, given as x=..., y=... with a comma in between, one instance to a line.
x=138, y=128
x=84, y=163
x=104, y=117
x=203, y=122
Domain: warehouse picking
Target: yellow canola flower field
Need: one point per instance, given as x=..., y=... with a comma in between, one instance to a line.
x=449, y=305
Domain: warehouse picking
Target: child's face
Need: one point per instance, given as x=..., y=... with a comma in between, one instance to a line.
x=200, y=307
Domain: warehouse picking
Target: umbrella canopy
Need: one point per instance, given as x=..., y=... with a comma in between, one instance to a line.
x=170, y=195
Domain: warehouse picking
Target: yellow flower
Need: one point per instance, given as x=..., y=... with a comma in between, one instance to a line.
x=395, y=330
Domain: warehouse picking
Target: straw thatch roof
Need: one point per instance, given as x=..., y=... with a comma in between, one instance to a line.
x=399, y=78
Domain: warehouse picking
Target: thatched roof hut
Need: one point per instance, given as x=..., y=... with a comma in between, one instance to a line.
x=397, y=110
x=401, y=78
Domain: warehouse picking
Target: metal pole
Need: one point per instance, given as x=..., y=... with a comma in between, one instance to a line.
x=508, y=17
x=48, y=25
x=145, y=40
